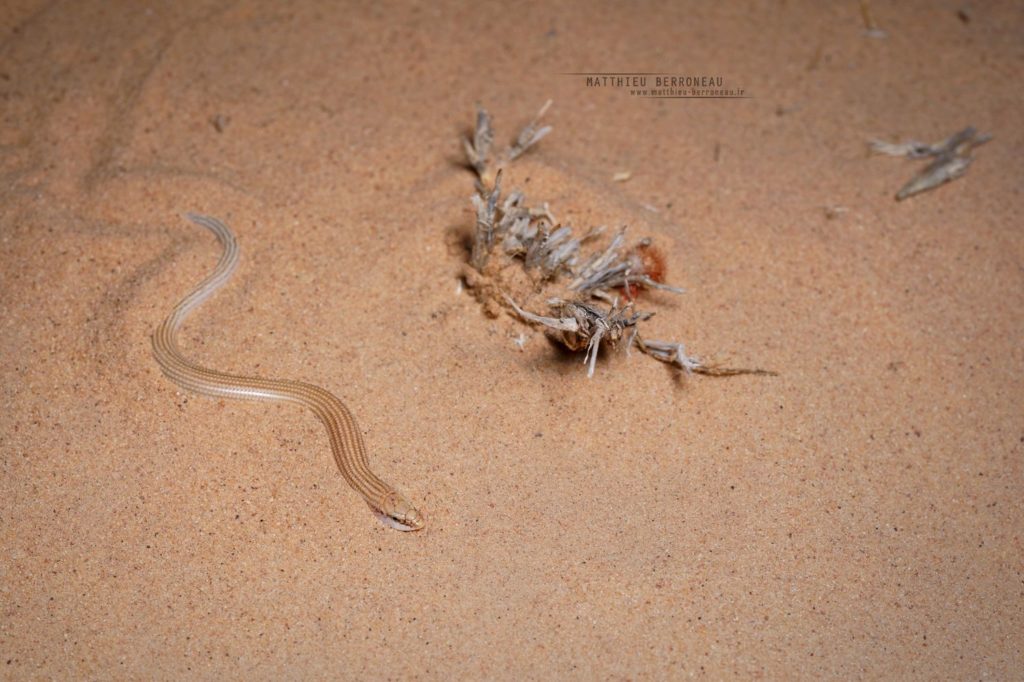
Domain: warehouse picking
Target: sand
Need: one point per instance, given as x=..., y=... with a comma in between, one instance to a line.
x=857, y=516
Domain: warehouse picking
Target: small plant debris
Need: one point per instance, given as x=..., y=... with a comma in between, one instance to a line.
x=951, y=157
x=590, y=291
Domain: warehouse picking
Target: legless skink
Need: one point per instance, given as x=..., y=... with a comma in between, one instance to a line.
x=346, y=440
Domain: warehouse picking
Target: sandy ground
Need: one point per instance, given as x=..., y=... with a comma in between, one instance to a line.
x=857, y=516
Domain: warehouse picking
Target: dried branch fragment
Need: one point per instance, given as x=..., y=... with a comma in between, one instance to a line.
x=952, y=157
x=912, y=149
x=675, y=354
x=672, y=353
x=484, y=239
x=530, y=135
x=940, y=171
x=478, y=150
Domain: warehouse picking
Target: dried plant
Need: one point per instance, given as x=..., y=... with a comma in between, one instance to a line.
x=951, y=157
x=586, y=311
x=483, y=240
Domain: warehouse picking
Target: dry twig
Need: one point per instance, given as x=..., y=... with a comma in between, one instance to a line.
x=951, y=157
